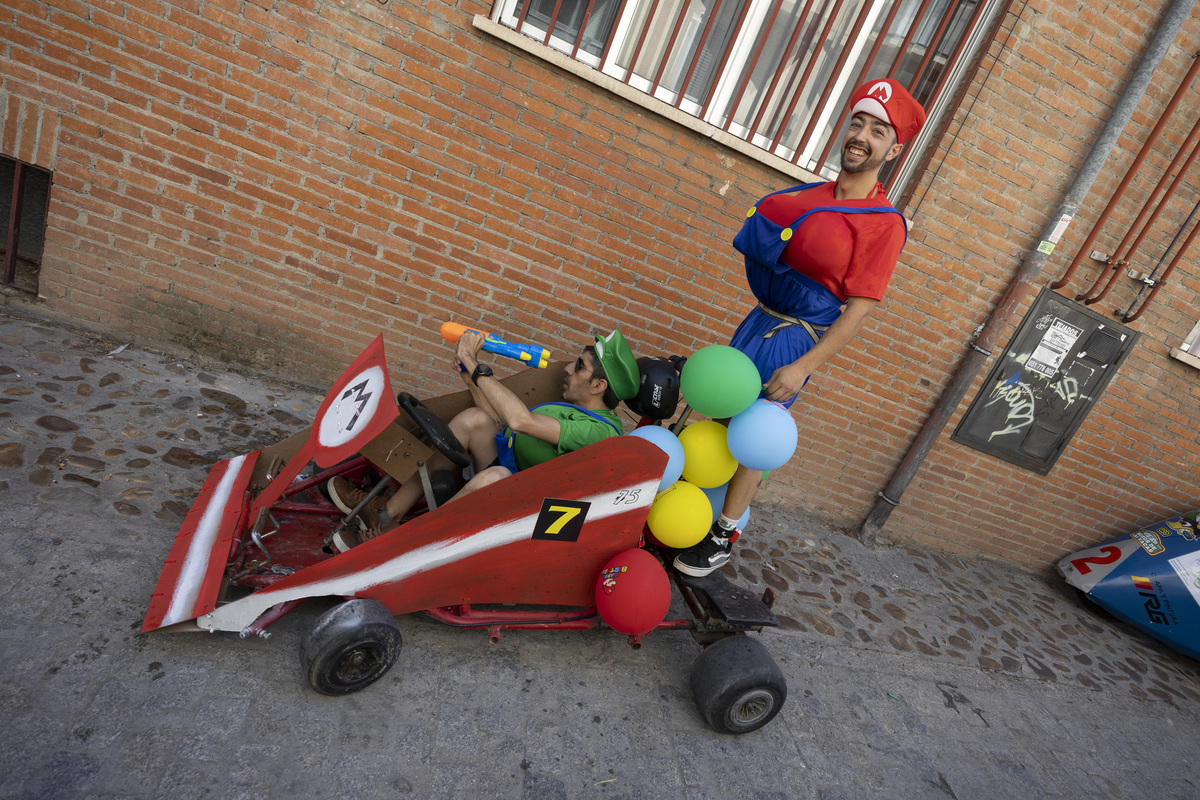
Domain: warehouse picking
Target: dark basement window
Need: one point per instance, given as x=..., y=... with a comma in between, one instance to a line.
x=24, y=196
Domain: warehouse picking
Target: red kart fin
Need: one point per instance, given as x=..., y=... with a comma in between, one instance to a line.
x=191, y=576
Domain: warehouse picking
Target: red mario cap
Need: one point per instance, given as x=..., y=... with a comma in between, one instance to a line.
x=887, y=100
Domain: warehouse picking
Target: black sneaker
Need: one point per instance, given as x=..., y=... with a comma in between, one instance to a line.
x=710, y=554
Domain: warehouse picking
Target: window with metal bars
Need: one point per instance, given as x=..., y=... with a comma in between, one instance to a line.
x=775, y=73
x=24, y=193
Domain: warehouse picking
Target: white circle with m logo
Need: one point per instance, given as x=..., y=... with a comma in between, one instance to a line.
x=881, y=91
x=352, y=409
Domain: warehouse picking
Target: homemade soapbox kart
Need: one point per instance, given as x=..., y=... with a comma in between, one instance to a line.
x=1149, y=578
x=525, y=552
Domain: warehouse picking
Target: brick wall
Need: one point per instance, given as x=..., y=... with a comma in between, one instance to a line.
x=1132, y=462
x=275, y=183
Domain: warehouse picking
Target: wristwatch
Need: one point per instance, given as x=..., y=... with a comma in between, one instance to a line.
x=481, y=371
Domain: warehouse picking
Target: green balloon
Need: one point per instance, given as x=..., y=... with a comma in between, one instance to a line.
x=720, y=381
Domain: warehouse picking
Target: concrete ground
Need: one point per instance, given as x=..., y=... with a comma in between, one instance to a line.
x=911, y=674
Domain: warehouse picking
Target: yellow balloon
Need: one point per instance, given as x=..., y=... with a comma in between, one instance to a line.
x=680, y=516
x=707, y=461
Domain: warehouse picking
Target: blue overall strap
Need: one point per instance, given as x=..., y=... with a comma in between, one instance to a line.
x=852, y=210
x=591, y=414
x=504, y=439
x=840, y=209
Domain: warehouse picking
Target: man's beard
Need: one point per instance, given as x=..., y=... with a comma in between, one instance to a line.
x=871, y=163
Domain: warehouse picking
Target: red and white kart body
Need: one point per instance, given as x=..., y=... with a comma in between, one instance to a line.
x=523, y=552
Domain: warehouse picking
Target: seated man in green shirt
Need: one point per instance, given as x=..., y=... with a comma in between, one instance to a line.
x=502, y=435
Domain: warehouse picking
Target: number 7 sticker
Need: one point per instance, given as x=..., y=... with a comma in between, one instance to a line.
x=560, y=520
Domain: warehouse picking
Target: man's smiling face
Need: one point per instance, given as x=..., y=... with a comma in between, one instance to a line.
x=868, y=144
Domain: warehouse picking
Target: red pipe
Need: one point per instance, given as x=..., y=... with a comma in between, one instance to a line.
x=1133, y=168
x=1187, y=142
x=1166, y=274
x=1118, y=261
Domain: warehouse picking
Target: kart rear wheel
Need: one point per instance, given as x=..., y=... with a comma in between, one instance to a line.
x=350, y=646
x=737, y=685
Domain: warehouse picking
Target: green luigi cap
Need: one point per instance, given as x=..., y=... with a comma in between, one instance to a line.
x=620, y=367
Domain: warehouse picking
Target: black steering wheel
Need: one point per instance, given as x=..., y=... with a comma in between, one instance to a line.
x=438, y=432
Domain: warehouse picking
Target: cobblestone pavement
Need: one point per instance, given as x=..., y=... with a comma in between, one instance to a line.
x=911, y=674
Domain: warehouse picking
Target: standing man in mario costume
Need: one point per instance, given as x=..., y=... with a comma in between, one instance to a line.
x=818, y=259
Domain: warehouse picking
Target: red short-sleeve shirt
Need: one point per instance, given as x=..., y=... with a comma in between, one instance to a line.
x=852, y=255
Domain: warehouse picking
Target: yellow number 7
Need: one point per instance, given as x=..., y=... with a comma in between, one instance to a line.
x=568, y=513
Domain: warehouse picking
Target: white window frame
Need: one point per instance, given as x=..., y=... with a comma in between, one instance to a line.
x=1189, y=349
x=504, y=15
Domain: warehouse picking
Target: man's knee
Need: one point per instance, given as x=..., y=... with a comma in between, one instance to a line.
x=484, y=478
x=472, y=419
x=472, y=425
x=489, y=476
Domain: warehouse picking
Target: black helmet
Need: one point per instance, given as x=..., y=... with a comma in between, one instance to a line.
x=658, y=388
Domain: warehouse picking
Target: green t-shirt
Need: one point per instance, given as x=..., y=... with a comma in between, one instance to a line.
x=578, y=429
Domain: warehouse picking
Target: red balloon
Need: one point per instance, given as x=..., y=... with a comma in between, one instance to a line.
x=633, y=593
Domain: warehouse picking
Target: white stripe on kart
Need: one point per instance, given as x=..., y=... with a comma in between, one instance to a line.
x=195, y=563
x=238, y=615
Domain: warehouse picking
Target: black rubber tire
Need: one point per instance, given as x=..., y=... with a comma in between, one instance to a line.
x=350, y=646
x=737, y=685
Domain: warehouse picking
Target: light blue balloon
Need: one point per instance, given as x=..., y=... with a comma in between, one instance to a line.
x=716, y=496
x=763, y=437
x=669, y=443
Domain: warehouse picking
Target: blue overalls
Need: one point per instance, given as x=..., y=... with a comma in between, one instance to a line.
x=774, y=341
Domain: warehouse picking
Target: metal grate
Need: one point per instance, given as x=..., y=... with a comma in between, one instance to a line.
x=776, y=73
x=1101, y=346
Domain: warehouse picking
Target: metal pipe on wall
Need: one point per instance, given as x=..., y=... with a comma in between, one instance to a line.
x=1156, y=282
x=1029, y=271
x=1192, y=144
x=1143, y=154
x=1120, y=261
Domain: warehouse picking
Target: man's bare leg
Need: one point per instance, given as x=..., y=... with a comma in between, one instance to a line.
x=742, y=488
x=476, y=431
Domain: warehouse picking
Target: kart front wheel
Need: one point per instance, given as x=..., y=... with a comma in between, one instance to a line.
x=350, y=646
x=737, y=685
